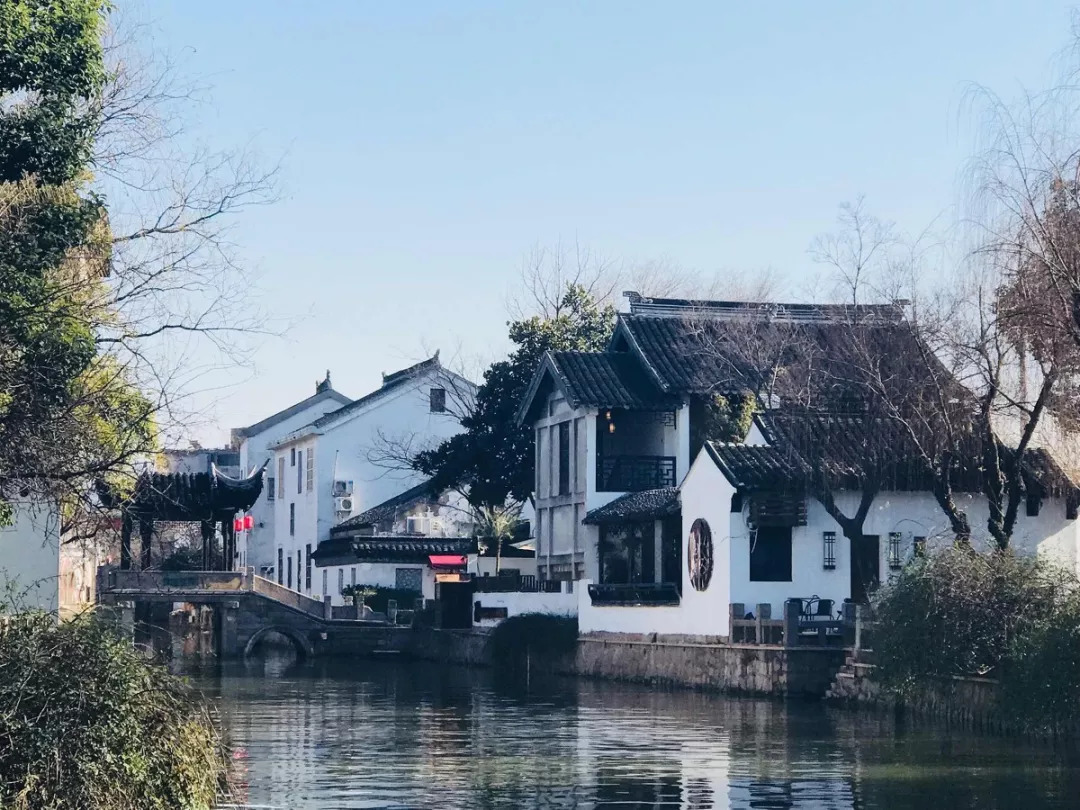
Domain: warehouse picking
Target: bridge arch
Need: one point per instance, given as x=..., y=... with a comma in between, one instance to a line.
x=303, y=647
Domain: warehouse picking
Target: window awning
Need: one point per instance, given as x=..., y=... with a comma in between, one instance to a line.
x=447, y=561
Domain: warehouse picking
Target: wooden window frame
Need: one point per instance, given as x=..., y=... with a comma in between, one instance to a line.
x=828, y=541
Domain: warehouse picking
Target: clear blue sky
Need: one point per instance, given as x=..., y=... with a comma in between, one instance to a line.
x=428, y=145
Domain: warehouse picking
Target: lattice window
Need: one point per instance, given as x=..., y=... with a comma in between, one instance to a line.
x=310, y=469
x=829, y=548
x=894, y=550
x=409, y=579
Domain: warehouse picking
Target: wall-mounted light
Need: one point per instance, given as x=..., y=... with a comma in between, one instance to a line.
x=607, y=415
x=611, y=427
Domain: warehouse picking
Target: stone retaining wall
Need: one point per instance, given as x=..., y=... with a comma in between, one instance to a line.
x=968, y=703
x=748, y=669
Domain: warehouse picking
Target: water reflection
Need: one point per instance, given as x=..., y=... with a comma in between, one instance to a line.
x=396, y=735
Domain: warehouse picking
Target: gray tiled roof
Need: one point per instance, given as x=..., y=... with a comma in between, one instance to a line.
x=608, y=380
x=391, y=382
x=754, y=468
x=397, y=549
x=706, y=354
x=649, y=504
x=385, y=510
x=282, y=415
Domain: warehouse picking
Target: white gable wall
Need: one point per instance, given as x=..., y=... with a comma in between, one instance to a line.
x=257, y=547
x=705, y=494
x=342, y=451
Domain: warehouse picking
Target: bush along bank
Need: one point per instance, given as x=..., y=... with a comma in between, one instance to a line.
x=961, y=614
x=87, y=722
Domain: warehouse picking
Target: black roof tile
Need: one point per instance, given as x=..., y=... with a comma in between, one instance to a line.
x=386, y=510
x=609, y=380
x=757, y=468
x=650, y=504
x=395, y=549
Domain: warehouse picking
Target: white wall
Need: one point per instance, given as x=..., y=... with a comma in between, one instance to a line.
x=552, y=604
x=485, y=566
x=258, y=545
x=30, y=559
x=341, y=453
x=383, y=575
x=705, y=494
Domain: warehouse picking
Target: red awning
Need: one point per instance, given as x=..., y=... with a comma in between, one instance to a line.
x=447, y=561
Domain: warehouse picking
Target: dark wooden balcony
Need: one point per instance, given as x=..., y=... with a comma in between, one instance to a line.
x=634, y=473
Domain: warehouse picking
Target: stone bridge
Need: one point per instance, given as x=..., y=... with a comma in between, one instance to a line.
x=247, y=607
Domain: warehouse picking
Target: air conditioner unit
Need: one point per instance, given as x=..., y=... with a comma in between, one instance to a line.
x=417, y=525
x=344, y=504
x=342, y=488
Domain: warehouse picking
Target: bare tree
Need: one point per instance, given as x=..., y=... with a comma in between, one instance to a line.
x=857, y=250
x=158, y=284
x=547, y=272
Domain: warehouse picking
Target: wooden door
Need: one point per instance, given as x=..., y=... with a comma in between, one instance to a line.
x=865, y=568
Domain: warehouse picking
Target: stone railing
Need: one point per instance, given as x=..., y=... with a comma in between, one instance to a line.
x=211, y=582
x=121, y=580
x=286, y=596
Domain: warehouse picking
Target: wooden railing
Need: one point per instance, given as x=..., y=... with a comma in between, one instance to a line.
x=806, y=622
x=634, y=473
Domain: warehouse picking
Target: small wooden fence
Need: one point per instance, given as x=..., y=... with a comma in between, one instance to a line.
x=806, y=622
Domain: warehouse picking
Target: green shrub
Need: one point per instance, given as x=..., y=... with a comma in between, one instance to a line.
x=88, y=723
x=962, y=613
x=538, y=635
x=376, y=597
x=1040, y=674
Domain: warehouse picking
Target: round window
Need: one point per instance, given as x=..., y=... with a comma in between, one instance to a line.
x=699, y=555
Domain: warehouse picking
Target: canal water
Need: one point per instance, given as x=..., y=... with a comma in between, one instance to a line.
x=391, y=734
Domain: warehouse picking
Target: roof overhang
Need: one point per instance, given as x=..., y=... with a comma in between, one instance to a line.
x=546, y=369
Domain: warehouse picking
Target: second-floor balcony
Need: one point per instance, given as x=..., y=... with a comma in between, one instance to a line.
x=634, y=473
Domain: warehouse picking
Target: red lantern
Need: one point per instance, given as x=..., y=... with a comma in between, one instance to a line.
x=249, y=523
x=238, y=524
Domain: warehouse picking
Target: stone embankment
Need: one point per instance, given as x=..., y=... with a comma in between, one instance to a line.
x=969, y=703
x=742, y=668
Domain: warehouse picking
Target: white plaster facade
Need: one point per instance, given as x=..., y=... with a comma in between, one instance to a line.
x=566, y=548
x=338, y=448
x=707, y=494
x=329, y=580
x=37, y=571
x=256, y=548
x=516, y=604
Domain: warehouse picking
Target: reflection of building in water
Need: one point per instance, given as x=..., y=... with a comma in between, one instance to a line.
x=652, y=750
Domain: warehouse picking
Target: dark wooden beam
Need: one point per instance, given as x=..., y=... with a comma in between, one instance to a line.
x=125, y=541
x=146, y=538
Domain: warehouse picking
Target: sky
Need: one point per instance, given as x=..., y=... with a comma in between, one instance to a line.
x=427, y=147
